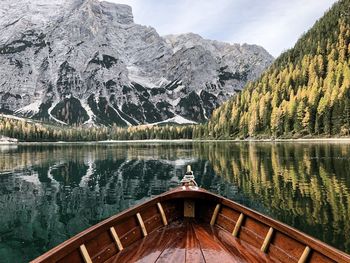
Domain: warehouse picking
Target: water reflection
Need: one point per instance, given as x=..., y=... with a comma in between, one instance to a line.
x=50, y=192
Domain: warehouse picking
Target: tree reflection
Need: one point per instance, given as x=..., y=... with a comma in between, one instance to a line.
x=51, y=192
x=303, y=185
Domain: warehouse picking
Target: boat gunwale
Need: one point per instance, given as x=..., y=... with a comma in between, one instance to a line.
x=74, y=242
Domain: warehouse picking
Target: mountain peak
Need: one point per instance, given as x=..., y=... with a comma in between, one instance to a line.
x=122, y=13
x=87, y=62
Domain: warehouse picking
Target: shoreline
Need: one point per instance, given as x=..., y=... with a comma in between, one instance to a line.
x=300, y=140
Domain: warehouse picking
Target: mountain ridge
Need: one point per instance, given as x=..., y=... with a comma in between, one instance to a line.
x=86, y=62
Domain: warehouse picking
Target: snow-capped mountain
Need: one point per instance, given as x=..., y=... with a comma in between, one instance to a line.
x=87, y=62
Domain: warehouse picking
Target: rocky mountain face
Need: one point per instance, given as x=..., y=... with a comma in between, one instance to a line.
x=87, y=62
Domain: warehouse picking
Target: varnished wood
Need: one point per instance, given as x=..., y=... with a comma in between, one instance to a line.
x=150, y=249
x=85, y=254
x=116, y=239
x=193, y=247
x=189, y=208
x=240, y=250
x=212, y=249
x=176, y=249
x=200, y=233
x=104, y=253
x=267, y=240
x=238, y=225
x=215, y=214
x=305, y=255
x=161, y=211
x=142, y=225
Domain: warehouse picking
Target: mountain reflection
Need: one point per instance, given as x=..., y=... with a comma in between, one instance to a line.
x=48, y=193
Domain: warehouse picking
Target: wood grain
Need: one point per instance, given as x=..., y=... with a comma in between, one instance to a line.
x=192, y=239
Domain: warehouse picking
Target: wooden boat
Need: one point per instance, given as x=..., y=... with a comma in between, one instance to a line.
x=189, y=224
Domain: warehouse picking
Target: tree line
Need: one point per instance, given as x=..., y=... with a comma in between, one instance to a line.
x=29, y=131
x=306, y=92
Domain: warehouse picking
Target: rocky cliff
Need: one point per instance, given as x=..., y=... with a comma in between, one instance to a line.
x=87, y=62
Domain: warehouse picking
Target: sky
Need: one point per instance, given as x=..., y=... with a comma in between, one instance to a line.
x=274, y=24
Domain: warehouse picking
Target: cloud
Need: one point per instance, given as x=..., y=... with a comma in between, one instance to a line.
x=274, y=24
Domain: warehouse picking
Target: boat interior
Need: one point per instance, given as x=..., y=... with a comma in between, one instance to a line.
x=189, y=224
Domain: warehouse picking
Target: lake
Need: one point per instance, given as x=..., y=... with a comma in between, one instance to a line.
x=50, y=192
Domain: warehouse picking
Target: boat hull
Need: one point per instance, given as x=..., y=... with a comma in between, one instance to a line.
x=189, y=224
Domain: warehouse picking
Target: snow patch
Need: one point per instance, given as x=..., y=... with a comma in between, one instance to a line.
x=163, y=82
x=31, y=179
x=89, y=112
x=7, y=140
x=30, y=109
x=177, y=119
x=52, y=117
x=90, y=171
x=184, y=162
x=135, y=76
x=127, y=123
x=178, y=88
x=175, y=102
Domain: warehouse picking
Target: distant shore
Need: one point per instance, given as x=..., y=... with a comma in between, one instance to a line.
x=237, y=140
x=300, y=140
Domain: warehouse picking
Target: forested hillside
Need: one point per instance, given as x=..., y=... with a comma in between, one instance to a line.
x=305, y=92
x=29, y=131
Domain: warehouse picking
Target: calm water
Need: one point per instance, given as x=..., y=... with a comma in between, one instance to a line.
x=49, y=193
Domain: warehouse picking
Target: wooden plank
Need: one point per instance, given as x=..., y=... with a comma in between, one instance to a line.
x=244, y=251
x=99, y=243
x=74, y=257
x=285, y=246
x=116, y=239
x=124, y=226
x=149, y=212
x=104, y=253
x=267, y=240
x=257, y=227
x=142, y=225
x=189, y=208
x=215, y=214
x=251, y=237
x=193, y=247
x=175, y=251
x=161, y=211
x=319, y=258
x=305, y=255
x=149, y=249
x=85, y=254
x=230, y=213
x=153, y=223
x=212, y=249
x=225, y=222
x=238, y=225
x=132, y=236
x=281, y=255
